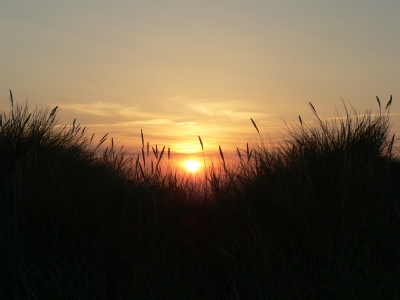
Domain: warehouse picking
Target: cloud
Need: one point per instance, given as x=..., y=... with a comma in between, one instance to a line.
x=178, y=122
x=186, y=123
x=105, y=109
x=215, y=111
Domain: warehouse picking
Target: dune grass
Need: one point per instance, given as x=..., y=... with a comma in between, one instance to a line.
x=315, y=217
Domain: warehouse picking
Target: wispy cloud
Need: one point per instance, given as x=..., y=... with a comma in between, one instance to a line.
x=105, y=109
x=178, y=121
x=227, y=109
x=185, y=123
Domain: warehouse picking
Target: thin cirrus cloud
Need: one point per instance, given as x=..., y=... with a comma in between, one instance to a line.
x=178, y=121
x=100, y=108
x=187, y=113
x=177, y=124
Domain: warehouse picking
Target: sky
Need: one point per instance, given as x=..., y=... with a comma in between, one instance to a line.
x=182, y=69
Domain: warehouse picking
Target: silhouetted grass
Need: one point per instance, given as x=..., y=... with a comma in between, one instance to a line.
x=314, y=217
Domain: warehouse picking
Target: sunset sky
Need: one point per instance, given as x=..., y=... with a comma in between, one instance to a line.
x=183, y=69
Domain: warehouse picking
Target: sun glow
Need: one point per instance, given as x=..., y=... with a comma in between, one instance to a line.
x=192, y=165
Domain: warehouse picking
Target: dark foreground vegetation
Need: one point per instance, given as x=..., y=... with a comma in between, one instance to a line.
x=316, y=217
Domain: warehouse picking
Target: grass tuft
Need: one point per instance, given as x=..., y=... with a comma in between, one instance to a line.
x=316, y=216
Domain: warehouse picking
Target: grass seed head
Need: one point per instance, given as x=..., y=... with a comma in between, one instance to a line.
x=222, y=154
x=255, y=126
x=389, y=103
x=201, y=143
x=312, y=106
x=11, y=99
x=379, y=102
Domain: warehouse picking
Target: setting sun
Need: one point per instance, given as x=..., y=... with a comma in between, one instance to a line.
x=192, y=165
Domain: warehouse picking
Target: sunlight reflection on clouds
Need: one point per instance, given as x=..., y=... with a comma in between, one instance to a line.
x=179, y=127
